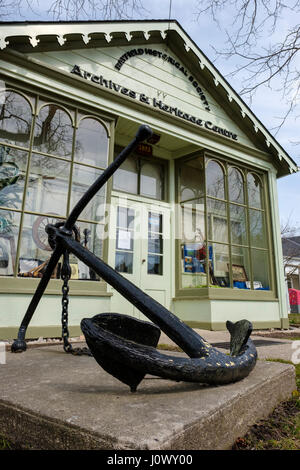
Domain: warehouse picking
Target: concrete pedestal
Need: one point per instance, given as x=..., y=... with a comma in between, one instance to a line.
x=51, y=400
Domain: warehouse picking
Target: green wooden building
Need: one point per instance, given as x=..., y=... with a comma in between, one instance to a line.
x=191, y=217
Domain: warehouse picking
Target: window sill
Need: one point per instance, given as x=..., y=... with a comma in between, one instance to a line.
x=224, y=294
x=12, y=285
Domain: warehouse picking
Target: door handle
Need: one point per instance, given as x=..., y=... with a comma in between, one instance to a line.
x=143, y=261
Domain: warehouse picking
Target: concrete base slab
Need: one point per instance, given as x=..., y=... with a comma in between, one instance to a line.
x=51, y=400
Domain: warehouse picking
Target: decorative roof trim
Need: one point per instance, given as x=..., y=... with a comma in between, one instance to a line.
x=86, y=30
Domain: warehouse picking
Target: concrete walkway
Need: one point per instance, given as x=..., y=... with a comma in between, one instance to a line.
x=52, y=400
x=267, y=347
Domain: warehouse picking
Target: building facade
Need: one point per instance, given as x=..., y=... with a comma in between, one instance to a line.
x=191, y=217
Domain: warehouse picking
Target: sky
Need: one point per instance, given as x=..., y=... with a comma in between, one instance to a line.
x=267, y=104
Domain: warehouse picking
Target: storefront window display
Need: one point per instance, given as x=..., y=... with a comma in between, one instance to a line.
x=224, y=232
x=49, y=156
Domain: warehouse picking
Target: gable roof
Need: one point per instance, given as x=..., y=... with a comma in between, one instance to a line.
x=28, y=35
x=291, y=247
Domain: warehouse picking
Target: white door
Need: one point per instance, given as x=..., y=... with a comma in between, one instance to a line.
x=140, y=250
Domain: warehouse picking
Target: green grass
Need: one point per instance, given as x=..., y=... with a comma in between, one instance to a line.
x=281, y=430
x=5, y=444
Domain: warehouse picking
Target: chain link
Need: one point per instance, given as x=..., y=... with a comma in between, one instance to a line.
x=65, y=276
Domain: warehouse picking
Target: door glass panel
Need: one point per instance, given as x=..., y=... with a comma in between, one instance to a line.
x=155, y=243
x=124, y=240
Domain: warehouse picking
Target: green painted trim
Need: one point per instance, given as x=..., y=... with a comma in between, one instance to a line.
x=221, y=326
x=77, y=288
x=11, y=332
x=285, y=323
x=225, y=294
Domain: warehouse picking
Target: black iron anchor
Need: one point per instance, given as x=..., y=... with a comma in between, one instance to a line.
x=126, y=347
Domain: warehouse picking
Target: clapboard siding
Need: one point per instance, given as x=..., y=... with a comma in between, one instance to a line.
x=149, y=75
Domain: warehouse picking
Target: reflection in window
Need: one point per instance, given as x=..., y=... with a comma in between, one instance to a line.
x=151, y=180
x=235, y=253
x=12, y=176
x=215, y=180
x=9, y=231
x=51, y=186
x=139, y=176
x=254, y=191
x=235, y=185
x=47, y=188
x=83, y=178
x=126, y=177
x=53, y=132
x=91, y=145
x=15, y=119
x=192, y=179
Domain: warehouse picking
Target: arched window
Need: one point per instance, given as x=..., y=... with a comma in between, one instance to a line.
x=215, y=180
x=15, y=119
x=53, y=132
x=254, y=191
x=91, y=145
x=235, y=186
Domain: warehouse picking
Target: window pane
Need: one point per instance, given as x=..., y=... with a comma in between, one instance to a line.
x=152, y=180
x=83, y=178
x=238, y=225
x=155, y=222
x=218, y=266
x=9, y=231
x=254, y=191
x=192, y=179
x=215, y=180
x=194, y=265
x=126, y=177
x=193, y=221
x=257, y=229
x=155, y=243
x=235, y=186
x=15, y=119
x=125, y=217
x=91, y=237
x=124, y=262
x=53, y=132
x=47, y=185
x=124, y=239
x=12, y=176
x=260, y=263
x=240, y=267
x=217, y=220
x=35, y=250
x=91, y=143
x=155, y=264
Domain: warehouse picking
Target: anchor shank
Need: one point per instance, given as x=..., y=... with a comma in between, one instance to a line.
x=184, y=336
